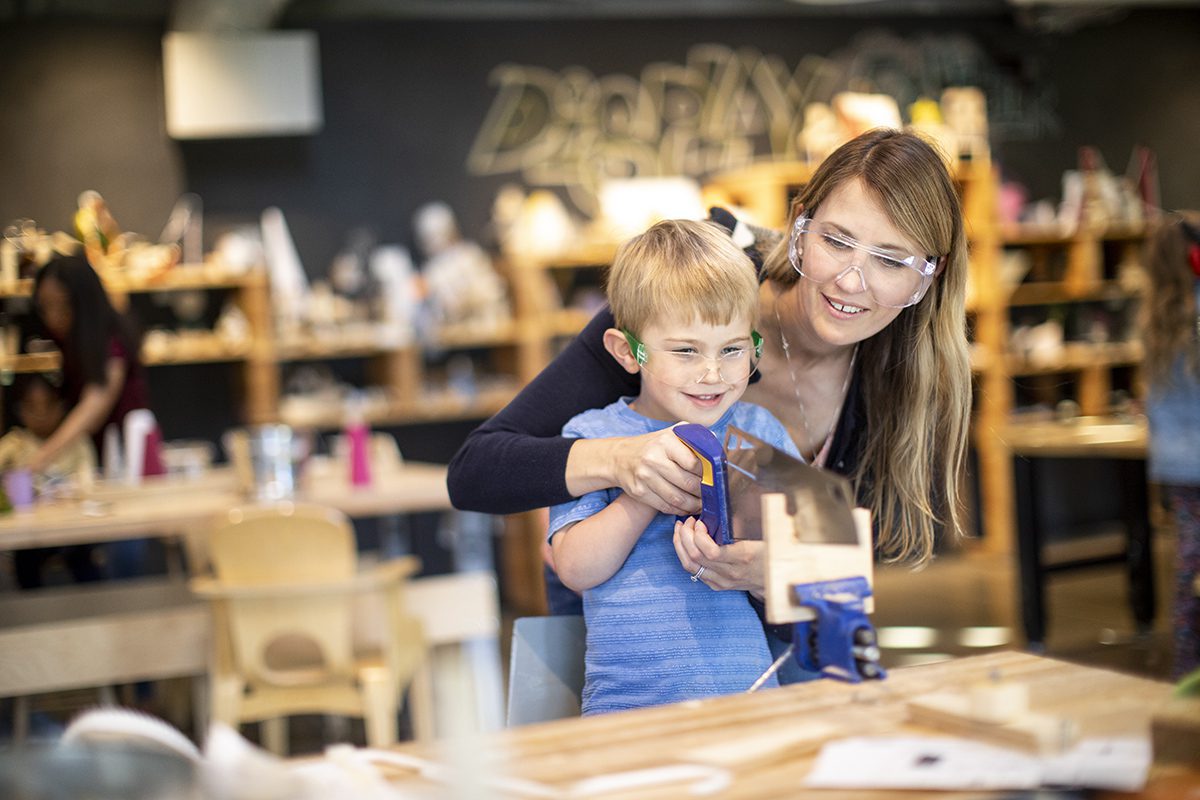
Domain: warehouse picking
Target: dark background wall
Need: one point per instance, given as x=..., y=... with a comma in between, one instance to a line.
x=81, y=107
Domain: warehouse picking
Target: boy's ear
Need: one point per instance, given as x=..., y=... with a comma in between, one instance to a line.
x=618, y=347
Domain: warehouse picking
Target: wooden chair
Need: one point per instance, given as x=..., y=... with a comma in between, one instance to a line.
x=284, y=591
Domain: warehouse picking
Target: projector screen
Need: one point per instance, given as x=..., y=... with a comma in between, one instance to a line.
x=245, y=84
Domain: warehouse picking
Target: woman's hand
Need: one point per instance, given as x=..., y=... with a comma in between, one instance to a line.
x=655, y=468
x=734, y=566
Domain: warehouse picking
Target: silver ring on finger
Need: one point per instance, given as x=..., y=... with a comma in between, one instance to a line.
x=696, y=575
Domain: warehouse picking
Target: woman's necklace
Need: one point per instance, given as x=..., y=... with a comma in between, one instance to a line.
x=819, y=456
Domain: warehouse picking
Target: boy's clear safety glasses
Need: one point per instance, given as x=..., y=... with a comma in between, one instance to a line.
x=683, y=367
x=893, y=278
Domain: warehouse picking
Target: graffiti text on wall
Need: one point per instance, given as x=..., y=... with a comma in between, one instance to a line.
x=721, y=109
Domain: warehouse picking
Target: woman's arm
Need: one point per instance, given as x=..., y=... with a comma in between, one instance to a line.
x=517, y=460
x=591, y=551
x=86, y=417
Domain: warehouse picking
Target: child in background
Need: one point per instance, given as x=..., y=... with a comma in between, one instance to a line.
x=40, y=409
x=1171, y=323
x=685, y=302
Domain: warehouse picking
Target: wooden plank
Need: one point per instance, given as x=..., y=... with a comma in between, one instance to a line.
x=790, y=562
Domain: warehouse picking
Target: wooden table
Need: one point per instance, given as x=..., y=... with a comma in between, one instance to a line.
x=1093, y=438
x=175, y=506
x=768, y=740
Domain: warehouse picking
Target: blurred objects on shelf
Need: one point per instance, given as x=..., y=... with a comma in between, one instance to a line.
x=113, y=252
x=925, y=118
x=964, y=109
x=534, y=227
x=185, y=227
x=822, y=133
x=289, y=284
x=628, y=206
x=462, y=286
x=859, y=112
x=25, y=248
x=239, y=250
x=398, y=295
x=1094, y=199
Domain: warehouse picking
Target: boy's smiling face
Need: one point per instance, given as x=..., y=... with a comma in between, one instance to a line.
x=681, y=380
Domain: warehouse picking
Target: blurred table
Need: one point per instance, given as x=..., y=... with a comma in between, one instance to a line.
x=1124, y=443
x=768, y=741
x=178, y=506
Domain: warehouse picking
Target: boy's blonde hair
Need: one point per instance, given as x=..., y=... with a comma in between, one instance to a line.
x=683, y=267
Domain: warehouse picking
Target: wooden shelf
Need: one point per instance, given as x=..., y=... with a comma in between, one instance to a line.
x=21, y=288
x=432, y=406
x=185, y=277
x=193, y=347
x=1101, y=436
x=320, y=349
x=31, y=362
x=1078, y=356
x=1054, y=292
x=468, y=337
x=1028, y=235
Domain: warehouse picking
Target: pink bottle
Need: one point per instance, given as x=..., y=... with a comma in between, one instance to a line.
x=358, y=445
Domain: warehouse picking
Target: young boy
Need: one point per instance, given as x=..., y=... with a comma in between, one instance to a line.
x=685, y=301
x=39, y=410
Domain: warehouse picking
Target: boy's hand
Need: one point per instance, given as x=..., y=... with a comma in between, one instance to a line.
x=736, y=566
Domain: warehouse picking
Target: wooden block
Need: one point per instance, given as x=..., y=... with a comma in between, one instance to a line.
x=956, y=713
x=1175, y=732
x=790, y=562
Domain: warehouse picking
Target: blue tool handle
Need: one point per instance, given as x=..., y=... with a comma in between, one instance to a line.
x=714, y=482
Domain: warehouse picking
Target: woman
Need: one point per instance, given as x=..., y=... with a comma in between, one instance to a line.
x=1171, y=320
x=103, y=379
x=872, y=380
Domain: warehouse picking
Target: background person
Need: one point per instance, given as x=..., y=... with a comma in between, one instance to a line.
x=103, y=378
x=39, y=410
x=1171, y=323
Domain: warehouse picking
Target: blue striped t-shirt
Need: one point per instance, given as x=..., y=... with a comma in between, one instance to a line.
x=654, y=636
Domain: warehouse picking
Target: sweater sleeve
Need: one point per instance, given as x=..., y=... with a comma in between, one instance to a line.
x=517, y=460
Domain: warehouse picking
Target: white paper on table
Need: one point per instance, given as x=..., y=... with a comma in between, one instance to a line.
x=1118, y=764
x=913, y=762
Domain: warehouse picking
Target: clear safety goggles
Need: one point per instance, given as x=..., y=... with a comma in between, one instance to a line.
x=684, y=366
x=893, y=278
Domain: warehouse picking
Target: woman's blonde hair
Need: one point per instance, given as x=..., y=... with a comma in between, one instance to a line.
x=681, y=267
x=1169, y=308
x=915, y=373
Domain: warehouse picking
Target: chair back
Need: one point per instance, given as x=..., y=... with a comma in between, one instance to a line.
x=293, y=638
x=545, y=675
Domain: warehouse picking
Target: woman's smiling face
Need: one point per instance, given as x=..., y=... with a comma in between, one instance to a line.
x=841, y=312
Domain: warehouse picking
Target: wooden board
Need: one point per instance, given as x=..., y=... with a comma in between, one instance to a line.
x=790, y=561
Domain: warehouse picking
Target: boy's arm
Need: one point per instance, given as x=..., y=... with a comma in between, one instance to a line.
x=589, y=552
